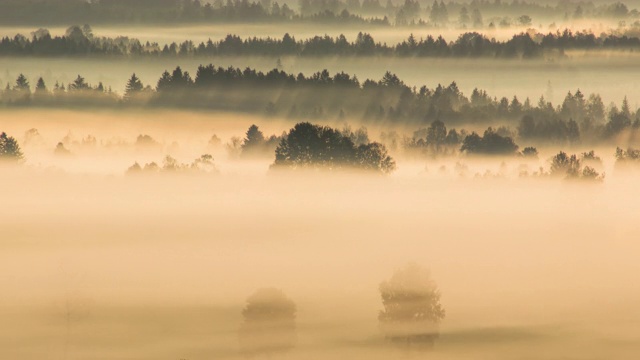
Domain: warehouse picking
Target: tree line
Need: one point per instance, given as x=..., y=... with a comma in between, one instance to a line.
x=407, y=12
x=56, y=12
x=80, y=41
x=341, y=95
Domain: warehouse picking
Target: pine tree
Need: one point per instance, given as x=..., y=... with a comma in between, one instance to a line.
x=134, y=85
x=22, y=84
x=41, y=86
x=9, y=148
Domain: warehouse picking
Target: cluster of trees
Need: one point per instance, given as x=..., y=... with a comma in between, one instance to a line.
x=491, y=143
x=627, y=159
x=410, y=317
x=203, y=164
x=80, y=41
x=323, y=96
x=574, y=167
x=313, y=146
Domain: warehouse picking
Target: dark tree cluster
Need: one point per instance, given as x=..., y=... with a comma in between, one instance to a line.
x=491, y=143
x=313, y=146
x=80, y=41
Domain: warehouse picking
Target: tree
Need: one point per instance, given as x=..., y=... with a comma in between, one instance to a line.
x=374, y=156
x=22, y=84
x=254, y=138
x=464, y=19
x=269, y=323
x=530, y=152
x=134, y=86
x=412, y=309
x=9, y=149
x=476, y=18
x=41, y=87
x=436, y=135
x=79, y=84
x=524, y=20
x=565, y=165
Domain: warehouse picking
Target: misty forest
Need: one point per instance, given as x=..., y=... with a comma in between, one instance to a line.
x=319, y=179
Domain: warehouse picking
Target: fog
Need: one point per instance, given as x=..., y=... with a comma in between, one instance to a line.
x=96, y=263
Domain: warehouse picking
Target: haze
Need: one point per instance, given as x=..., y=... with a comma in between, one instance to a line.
x=230, y=214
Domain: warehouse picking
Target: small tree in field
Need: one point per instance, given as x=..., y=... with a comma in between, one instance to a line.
x=412, y=309
x=269, y=325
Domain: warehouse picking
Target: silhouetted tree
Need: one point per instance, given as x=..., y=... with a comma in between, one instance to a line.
x=41, y=87
x=9, y=149
x=133, y=87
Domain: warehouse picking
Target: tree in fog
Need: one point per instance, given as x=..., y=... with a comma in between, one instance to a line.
x=41, y=87
x=269, y=323
x=22, y=84
x=133, y=87
x=9, y=148
x=79, y=84
x=476, y=18
x=525, y=20
x=571, y=167
x=412, y=309
x=530, y=152
x=436, y=135
x=254, y=139
x=464, y=19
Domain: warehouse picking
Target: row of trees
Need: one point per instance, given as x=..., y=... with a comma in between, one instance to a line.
x=192, y=11
x=58, y=12
x=325, y=96
x=80, y=41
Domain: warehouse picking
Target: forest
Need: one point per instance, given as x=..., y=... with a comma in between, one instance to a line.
x=579, y=117
x=80, y=41
x=401, y=13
